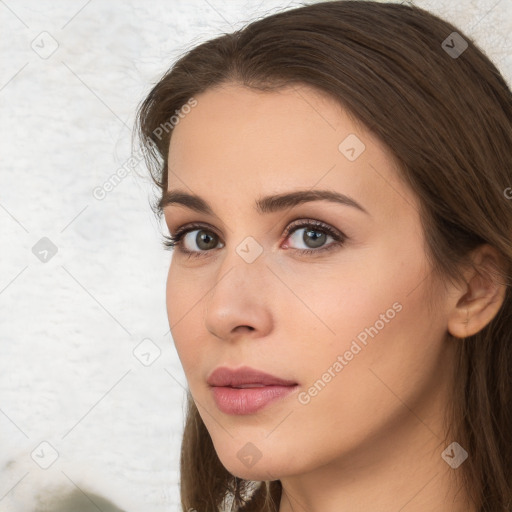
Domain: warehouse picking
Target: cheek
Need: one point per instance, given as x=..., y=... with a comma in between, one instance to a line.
x=384, y=346
x=183, y=302
x=366, y=298
x=174, y=289
x=339, y=302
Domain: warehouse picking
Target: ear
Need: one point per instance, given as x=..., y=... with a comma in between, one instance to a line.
x=481, y=296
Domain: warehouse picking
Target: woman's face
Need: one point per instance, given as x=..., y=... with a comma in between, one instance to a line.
x=346, y=322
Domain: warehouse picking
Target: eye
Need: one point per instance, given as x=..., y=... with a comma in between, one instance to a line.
x=196, y=234
x=314, y=236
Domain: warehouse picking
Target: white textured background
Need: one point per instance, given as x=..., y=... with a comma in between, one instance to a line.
x=68, y=326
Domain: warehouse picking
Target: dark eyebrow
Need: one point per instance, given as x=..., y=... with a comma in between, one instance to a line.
x=268, y=204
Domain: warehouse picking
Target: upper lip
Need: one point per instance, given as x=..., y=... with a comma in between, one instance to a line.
x=224, y=376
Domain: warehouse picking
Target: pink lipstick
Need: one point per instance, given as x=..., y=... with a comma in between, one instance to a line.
x=246, y=390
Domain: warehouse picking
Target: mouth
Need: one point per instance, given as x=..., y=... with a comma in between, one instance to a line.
x=245, y=377
x=245, y=390
x=245, y=386
x=243, y=401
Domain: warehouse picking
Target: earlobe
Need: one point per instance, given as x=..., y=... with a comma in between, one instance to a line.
x=482, y=295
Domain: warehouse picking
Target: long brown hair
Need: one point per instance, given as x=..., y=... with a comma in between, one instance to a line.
x=445, y=112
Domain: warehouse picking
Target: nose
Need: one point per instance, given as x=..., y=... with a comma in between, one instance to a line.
x=239, y=304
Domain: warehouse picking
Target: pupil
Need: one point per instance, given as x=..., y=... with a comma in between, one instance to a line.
x=204, y=237
x=317, y=239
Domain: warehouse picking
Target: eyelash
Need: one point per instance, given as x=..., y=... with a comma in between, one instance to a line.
x=170, y=242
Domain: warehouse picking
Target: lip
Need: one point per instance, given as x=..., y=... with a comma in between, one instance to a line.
x=246, y=390
x=224, y=376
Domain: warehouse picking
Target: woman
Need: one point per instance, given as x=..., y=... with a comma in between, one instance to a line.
x=334, y=178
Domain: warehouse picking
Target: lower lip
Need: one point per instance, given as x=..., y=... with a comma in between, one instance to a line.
x=248, y=400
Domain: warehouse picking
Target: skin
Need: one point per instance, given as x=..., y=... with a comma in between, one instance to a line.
x=372, y=438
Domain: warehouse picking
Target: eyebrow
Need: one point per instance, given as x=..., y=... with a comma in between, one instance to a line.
x=268, y=204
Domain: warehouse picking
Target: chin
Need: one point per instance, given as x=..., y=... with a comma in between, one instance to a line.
x=251, y=463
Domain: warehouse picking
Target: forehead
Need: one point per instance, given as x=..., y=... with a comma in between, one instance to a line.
x=244, y=142
x=256, y=119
